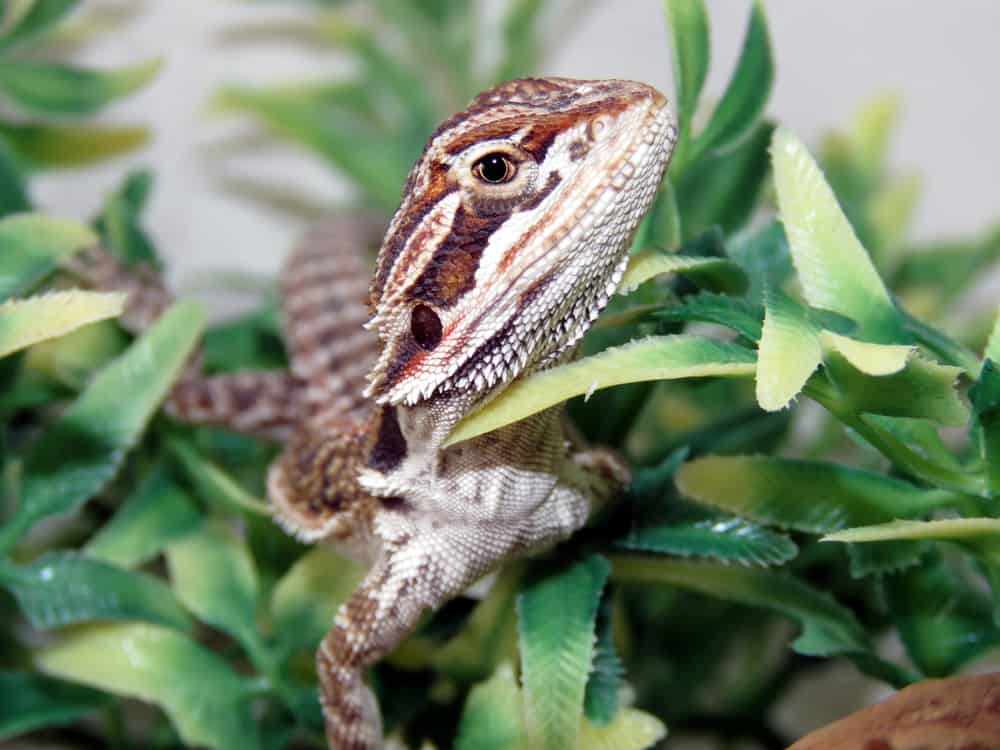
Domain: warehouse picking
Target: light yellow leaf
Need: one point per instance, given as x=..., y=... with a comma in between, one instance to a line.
x=631, y=729
x=787, y=355
x=653, y=358
x=27, y=321
x=869, y=358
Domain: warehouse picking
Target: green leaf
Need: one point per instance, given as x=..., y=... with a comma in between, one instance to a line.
x=882, y=558
x=37, y=20
x=922, y=390
x=62, y=588
x=522, y=46
x=13, y=190
x=202, y=696
x=492, y=719
x=715, y=536
x=50, y=88
x=630, y=730
x=747, y=91
x=154, y=515
x=212, y=484
x=763, y=254
x=835, y=271
x=77, y=455
x=119, y=223
x=58, y=146
x=31, y=246
x=653, y=358
x=600, y=701
x=804, y=495
x=32, y=701
x=788, y=354
x=306, y=599
x=691, y=50
x=73, y=359
x=213, y=574
x=827, y=627
x=556, y=614
x=721, y=309
x=26, y=322
x=716, y=273
x=944, y=622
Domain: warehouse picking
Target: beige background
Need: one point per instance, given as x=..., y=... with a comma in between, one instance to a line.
x=941, y=56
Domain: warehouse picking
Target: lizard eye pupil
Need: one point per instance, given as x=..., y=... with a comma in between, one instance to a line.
x=494, y=168
x=425, y=325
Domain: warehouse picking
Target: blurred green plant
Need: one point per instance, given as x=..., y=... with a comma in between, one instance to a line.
x=139, y=561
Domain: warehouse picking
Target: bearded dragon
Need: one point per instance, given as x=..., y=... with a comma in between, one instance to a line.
x=512, y=234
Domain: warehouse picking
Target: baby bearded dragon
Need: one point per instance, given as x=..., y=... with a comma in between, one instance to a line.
x=512, y=234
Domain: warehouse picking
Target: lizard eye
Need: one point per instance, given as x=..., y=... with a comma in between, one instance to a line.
x=425, y=325
x=495, y=168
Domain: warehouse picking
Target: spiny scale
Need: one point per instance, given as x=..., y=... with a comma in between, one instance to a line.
x=484, y=276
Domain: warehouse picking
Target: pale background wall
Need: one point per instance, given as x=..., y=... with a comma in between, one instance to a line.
x=942, y=57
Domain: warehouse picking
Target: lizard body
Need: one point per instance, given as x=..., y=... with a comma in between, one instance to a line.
x=512, y=235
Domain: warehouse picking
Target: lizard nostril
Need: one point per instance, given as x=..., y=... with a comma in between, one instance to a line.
x=425, y=325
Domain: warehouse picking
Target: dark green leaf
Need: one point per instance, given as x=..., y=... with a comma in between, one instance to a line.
x=492, y=717
x=557, y=613
x=763, y=253
x=723, y=310
x=119, y=222
x=689, y=42
x=77, y=455
x=747, y=92
x=600, y=702
x=31, y=701
x=827, y=627
x=62, y=588
x=13, y=190
x=882, y=558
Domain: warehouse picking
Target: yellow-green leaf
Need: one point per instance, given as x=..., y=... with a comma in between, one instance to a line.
x=631, y=729
x=48, y=145
x=213, y=484
x=26, y=322
x=982, y=534
x=653, y=358
x=492, y=719
x=32, y=244
x=788, y=353
x=871, y=359
x=722, y=274
x=200, y=693
x=835, y=270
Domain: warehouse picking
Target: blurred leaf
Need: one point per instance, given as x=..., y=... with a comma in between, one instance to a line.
x=746, y=93
x=72, y=360
x=306, y=598
x=212, y=484
x=874, y=124
x=32, y=702
x=835, y=271
x=39, y=18
x=869, y=358
x=827, y=627
x=62, y=588
x=50, y=88
x=556, y=614
x=78, y=454
x=150, y=518
x=715, y=536
x=943, y=621
x=213, y=574
x=50, y=146
x=788, y=354
x=492, y=719
x=600, y=701
x=723, y=310
x=690, y=48
x=31, y=246
x=202, y=696
x=629, y=730
x=653, y=358
x=28, y=321
x=882, y=558
x=119, y=221
x=13, y=190
x=715, y=273
x=804, y=495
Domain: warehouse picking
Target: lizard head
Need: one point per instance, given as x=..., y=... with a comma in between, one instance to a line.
x=513, y=232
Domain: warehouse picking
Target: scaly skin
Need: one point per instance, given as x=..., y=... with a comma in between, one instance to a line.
x=512, y=234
